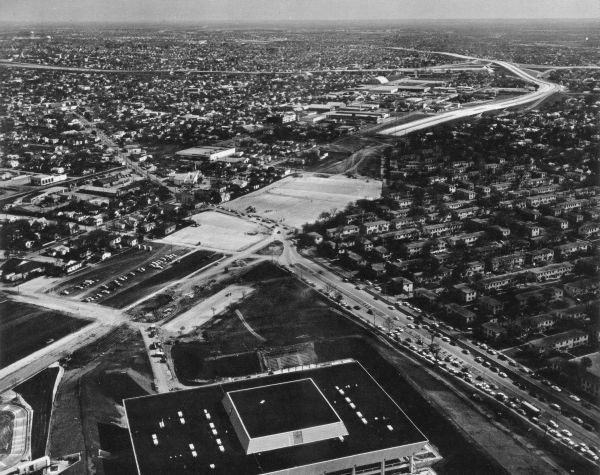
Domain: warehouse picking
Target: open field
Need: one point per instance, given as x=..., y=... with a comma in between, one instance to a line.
x=217, y=231
x=89, y=399
x=204, y=311
x=297, y=200
x=25, y=329
x=281, y=310
x=176, y=270
x=37, y=392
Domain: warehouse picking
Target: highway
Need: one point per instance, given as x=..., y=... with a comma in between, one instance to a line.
x=75, y=69
x=544, y=89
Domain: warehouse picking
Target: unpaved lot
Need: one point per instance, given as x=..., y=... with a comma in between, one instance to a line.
x=217, y=231
x=204, y=311
x=297, y=200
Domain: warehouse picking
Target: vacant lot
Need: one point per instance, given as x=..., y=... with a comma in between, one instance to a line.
x=37, y=391
x=300, y=199
x=88, y=413
x=176, y=270
x=281, y=310
x=25, y=329
x=204, y=311
x=217, y=231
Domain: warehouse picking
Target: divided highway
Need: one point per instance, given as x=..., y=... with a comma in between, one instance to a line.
x=544, y=89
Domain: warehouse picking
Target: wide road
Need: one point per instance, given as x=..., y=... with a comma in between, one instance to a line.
x=544, y=89
x=110, y=143
x=102, y=321
x=75, y=69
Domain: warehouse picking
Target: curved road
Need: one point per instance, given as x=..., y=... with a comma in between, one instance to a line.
x=544, y=89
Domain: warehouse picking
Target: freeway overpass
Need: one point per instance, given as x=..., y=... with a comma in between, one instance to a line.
x=544, y=89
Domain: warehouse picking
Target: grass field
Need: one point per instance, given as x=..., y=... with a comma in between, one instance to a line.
x=37, y=391
x=298, y=200
x=176, y=270
x=217, y=231
x=25, y=329
x=88, y=408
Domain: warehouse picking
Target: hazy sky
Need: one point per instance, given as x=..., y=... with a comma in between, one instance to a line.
x=273, y=10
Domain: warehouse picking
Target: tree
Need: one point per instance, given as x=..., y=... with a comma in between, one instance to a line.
x=389, y=323
x=586, y=362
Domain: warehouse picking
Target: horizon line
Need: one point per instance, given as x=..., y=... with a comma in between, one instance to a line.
x=271, y=21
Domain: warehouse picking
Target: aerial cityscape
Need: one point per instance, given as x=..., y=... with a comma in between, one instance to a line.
x=299, y=237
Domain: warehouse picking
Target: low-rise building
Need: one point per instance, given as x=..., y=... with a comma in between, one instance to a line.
x=490, y=304
x=493, y=331
x=464, y=293
x=551, y=271
x=463, y=316
x=560, y=341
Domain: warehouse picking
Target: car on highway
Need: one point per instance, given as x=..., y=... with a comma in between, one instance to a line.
x=554, y=433
x=574, y=398
x=552, y=423
x=577, y=420
x=566, y=432
x=555, y=406
x=556, y=388
x=502, y=374
x=465, y=351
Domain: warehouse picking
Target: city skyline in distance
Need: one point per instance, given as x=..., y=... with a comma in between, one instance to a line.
x=249, y=11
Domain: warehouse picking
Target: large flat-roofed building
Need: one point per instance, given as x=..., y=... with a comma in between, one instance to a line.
x=212, y=154
x=263, y=420
x=325, y=419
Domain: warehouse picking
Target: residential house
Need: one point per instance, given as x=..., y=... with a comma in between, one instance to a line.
x=464, y=293
x=490, y=304
x=493, y=331
x=461, y=315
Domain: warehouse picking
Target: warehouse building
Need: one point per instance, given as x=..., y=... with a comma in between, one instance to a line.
x=332, y=418
x=211, y=154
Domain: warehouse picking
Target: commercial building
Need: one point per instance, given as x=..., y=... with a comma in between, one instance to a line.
x=41, y=180
x=212, y=154
x=330, y=418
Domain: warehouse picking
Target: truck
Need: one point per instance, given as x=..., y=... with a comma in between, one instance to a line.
x=530, y=409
